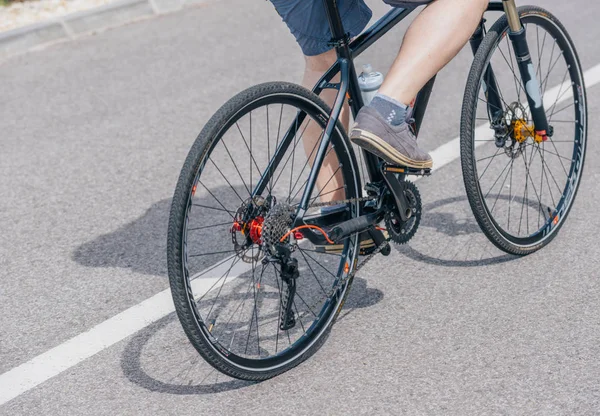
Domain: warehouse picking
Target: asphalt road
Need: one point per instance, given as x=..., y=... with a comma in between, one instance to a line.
x=93, y=134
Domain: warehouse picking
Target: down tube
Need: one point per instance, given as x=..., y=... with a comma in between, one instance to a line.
x=326, y=139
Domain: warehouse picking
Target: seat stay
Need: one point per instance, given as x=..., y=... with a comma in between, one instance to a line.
x=325, y=138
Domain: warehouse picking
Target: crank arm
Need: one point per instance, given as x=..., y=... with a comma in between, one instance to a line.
x=355, y=225
x=397, y=189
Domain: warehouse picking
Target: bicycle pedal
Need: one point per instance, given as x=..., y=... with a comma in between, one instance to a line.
x=407, y=170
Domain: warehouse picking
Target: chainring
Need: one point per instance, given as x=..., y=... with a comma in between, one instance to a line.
x=401, y=232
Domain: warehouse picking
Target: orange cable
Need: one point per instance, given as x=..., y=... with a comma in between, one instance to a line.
x=314, y=227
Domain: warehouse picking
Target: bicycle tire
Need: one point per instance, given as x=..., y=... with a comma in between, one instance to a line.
x=194, y=164
x=488, y=224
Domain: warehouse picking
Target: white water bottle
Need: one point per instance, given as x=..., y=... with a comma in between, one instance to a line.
x=369, y=82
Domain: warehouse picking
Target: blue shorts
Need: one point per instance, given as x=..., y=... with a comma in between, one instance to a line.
x=307, y=20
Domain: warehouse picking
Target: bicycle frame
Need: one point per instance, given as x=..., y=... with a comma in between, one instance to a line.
x=348, y=87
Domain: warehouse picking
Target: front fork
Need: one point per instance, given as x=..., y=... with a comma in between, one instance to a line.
x=518, y=37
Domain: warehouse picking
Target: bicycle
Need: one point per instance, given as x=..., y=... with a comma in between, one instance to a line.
x=260, y=265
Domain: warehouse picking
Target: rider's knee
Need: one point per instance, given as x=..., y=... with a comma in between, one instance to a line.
x=483, y=4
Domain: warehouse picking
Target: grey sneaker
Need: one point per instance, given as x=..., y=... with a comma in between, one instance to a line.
x=396, y=145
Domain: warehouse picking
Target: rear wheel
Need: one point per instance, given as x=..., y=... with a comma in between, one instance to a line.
x=228, y=204
x=521, y=188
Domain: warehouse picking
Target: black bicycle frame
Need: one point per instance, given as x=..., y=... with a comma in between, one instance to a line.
x=348, y=88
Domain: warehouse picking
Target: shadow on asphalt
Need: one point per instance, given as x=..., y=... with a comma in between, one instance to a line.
x=447, y=224
x=141, y=245
x=161, y=359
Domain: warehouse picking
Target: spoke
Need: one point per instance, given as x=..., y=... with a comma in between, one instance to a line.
x=254, y=314
x=501, y=174
x=241, y=305
x=279, y=313
x=549, y=66
x=537, y=37
x=332, y=191
x=313, y=273
x=325, y=186
x=561, y=110
x=559, y=95
x=488, y=166
x=293, y=159
x=541, y=188
x=542, y=49
x=510, y=194
x=249, y=147
x=269, y=151
x=210, y=226
x=488, y=157
x=502, y=186
x=226, y=180
x=209, y=254
x=216, y=209
x=490, y=104
x=220, y=289
x=306, y=181
x=306, y=304
x=216, y=199
x=557, y=155
x=233, y=263
x=290, y=156
x=276, y=147
x=299, y=317
x=235, y=166
x=547, y=79
x=306, y=163
x=517, y=81
x=320, y=265
x=550, y=172
x=527, y=170
x=250, y=150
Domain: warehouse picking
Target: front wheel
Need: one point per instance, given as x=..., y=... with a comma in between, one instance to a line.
x=520, y=187
x=239, y=189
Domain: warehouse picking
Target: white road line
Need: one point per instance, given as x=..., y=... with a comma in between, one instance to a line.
x=70, y=353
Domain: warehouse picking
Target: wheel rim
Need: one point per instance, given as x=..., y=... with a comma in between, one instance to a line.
x=236, y=301
x=527, y=188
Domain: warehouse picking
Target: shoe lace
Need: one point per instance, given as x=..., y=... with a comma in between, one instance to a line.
x=412, y=126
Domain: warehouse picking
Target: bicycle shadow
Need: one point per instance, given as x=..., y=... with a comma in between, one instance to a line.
x=449, y=224
x=149, y=362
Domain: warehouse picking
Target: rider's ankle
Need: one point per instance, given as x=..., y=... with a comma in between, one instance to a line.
x=393, y=111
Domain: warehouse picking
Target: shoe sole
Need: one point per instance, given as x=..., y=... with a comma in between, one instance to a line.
x=380, y=148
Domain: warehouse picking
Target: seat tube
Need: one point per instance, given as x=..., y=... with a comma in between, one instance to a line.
x=518, y=37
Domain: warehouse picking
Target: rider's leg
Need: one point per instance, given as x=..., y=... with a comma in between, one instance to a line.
x=433, y=39
x=328, y=181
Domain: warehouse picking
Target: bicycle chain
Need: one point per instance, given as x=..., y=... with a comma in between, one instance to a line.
x=341, y=202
